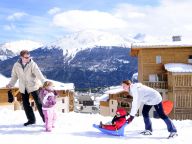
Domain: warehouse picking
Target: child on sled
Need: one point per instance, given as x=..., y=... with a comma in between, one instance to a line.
x=117, y=122
x=47, y=96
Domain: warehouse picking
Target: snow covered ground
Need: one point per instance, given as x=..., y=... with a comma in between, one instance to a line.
x=76, y=128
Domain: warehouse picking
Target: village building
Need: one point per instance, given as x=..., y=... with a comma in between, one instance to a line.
x=167, y=67
x=85, y=104
x=113, y=99
x=65, y=99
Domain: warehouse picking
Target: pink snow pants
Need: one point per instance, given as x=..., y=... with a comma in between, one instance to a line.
x=50, y=117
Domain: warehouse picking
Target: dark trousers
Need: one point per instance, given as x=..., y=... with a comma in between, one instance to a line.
x=159, y=110
x=27, y=107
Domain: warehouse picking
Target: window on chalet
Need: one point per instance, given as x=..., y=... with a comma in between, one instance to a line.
x=190, y=59
x=153, y=78
x=158, y=59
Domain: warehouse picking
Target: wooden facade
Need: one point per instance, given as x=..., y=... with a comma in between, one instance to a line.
x=16, y=93
x=117, y=100
x=180, y=91
x=173, y=86
x=4, y=97
x=70, y=94
x=123, y=99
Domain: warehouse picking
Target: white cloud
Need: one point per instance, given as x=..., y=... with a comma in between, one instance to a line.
x=170, y=17
x=54, y=10
x=78, y=20
x=16, y=16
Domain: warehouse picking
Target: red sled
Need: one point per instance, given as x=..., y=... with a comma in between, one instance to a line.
x=167, y=106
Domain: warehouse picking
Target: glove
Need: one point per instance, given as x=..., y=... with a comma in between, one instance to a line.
x=51, y=101
x=129, y=120
x=10, y=96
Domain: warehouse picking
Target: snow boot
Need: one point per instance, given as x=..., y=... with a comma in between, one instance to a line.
x=172, y=135
x=146, y=132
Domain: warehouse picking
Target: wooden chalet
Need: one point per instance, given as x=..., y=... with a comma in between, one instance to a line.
x=65, y=100
x=167, y=67
x=115, y=99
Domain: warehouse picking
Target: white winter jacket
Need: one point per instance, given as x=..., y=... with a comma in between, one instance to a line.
x=28, y=77
x=143, y=94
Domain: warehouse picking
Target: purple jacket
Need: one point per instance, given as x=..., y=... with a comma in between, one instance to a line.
x=47, y=97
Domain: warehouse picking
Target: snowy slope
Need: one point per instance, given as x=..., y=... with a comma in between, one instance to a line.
x=73, y=43
x=76, y=128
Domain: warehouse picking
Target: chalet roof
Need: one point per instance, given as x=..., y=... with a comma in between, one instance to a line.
x=161, y=45
x=57, y=85
x=135, y=47
x=4, y=81
x=84, y=98
x=104, y=97
x=62, y=86
x=113, y=90
x=178, y=67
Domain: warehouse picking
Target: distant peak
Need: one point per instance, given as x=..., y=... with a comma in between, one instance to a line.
x=17, y=46
x=81, y=40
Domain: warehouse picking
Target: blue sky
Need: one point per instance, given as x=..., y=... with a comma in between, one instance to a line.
x=47, y=20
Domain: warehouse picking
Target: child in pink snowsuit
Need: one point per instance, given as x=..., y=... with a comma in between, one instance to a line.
x=47, y=96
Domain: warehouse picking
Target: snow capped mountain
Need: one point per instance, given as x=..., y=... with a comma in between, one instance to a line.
x=73, y=43
x=17, y=46
x=86, y=58
x=11, y=49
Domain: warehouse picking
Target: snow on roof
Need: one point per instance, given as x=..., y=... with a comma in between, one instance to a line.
x=57, y=85
x=84, y=98
x=62, y=86
x=5, y=80
x=104, y=97
x=161, y=44
x=178, y=67
x=113, y=90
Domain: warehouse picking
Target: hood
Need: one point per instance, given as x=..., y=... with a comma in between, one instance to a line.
x=122, y=111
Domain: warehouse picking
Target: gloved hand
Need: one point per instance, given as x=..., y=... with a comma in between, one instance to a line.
x=51, y=101
x=10, y=96
x=129, y=120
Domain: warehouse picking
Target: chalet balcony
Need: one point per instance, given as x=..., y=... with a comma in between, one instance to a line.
x=157, y=85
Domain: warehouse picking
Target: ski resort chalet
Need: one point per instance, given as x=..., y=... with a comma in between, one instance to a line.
x=114, y=98
x=65, y=100
x=167, y=67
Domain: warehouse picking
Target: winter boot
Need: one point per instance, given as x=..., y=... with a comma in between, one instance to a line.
x=172, y=135
x=29, y=123
x=101, y=124
x=146, y=132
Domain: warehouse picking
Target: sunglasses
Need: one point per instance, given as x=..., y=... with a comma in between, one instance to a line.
x=26, y=57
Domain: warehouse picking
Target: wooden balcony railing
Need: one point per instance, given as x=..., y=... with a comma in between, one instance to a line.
x=156, y=85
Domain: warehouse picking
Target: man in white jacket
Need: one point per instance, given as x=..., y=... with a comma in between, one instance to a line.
x=149, y=97
x=27, y=72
